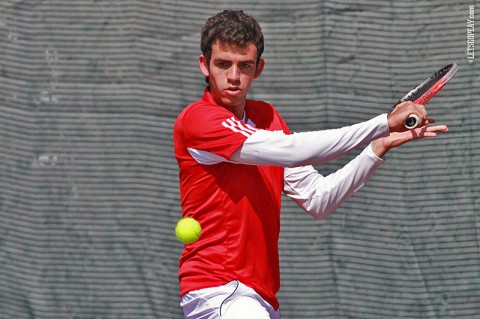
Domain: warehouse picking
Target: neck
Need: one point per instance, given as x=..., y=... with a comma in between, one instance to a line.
x=237, y=111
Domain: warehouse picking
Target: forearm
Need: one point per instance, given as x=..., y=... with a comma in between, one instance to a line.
x=308, y=148
x=320, y=196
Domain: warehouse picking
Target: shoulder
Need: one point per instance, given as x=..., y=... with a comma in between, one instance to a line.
x=204, y=120
x=200, y=112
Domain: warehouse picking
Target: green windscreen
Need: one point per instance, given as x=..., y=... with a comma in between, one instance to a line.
x=89, y=92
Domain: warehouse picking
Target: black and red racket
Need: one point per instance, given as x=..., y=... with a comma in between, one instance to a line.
x=422, y=93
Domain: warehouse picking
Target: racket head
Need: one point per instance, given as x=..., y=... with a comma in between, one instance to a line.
x=423, y=92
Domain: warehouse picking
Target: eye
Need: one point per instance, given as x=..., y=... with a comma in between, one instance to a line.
x=246, y=65
x=222, y=64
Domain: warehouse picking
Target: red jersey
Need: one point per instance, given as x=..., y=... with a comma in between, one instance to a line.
x=237, y=206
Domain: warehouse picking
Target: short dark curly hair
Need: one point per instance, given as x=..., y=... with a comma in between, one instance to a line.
x=231, y=27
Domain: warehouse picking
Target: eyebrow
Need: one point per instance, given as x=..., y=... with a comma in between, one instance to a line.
x=226, y=60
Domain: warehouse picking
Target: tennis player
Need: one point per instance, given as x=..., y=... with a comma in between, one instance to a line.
x=237, y=156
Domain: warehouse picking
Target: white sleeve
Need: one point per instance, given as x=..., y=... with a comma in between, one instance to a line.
x=307, y=148
x=319, y=195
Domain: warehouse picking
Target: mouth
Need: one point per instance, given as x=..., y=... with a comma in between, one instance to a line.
x=233, y=91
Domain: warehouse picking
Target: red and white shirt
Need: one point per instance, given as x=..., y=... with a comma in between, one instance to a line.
x=232, y=174
x=237, y=205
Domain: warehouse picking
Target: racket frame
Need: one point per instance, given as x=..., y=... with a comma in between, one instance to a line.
x=423, y=92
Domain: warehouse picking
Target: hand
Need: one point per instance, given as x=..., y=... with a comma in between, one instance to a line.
x=383, y=145
x=397, y=117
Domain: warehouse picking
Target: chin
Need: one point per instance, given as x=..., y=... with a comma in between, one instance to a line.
x=231, y=103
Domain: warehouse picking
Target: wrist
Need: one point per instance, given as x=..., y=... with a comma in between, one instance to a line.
x=379, y=148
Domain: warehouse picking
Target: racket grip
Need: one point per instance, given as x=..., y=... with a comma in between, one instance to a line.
x=411, y=122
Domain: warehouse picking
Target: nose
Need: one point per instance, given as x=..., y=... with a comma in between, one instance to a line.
x=233, y=74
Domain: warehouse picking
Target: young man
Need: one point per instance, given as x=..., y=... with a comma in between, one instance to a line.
x=237, y=156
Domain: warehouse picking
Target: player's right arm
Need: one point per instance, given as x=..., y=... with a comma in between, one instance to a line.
x=215, y=136
x=308, y=148
x=262, y=147
x=317, y=147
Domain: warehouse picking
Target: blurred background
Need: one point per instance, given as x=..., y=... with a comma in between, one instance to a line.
x=90, y=89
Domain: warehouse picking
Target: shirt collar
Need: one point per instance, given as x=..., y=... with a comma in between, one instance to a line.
x=208, y=98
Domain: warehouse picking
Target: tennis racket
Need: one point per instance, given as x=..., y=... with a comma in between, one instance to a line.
x=422, y=93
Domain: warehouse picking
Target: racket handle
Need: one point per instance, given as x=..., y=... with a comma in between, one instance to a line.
x=411, y=122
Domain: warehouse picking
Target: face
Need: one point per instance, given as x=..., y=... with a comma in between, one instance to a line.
x=230, y=73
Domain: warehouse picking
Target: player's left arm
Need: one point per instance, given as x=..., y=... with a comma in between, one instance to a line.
x=321, y=195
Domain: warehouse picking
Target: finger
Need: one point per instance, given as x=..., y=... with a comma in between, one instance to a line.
x=421, y=108
x=433, y=128
x=428, y=131
x=438, y=128
x=421, y=113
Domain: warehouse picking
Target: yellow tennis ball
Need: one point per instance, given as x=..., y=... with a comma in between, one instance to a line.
x=188, y=230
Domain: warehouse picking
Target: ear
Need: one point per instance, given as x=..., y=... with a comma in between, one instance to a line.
x=203, y=62
x=260, y=65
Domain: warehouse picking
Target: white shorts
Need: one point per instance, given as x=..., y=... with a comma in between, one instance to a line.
x=230, y=301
